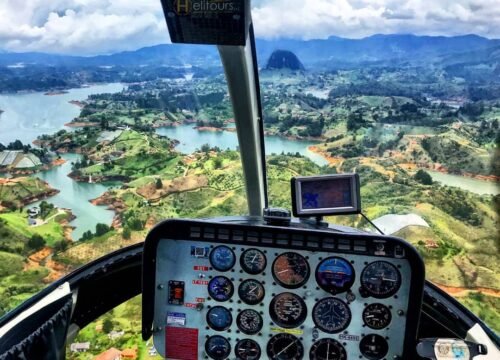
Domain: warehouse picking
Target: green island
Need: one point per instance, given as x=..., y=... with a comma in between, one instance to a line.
x=373, y=121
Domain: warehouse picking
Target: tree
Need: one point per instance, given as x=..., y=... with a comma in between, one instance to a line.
x=61, y=245
x=159, y=184
x=107, y=326
x=36, y=242
x=101, y=229
x=126, y=233
x=423, y=177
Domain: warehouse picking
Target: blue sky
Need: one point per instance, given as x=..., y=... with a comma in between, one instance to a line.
x=86, y=27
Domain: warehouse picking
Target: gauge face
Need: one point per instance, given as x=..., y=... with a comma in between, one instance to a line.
x=222, y=258
x=219, y=318
x=288, y=310
x=253, y=261
x=249, y=322
x=327, y=349
x=381, y=279
x=331, y=315
x=285, y=347
x=335, y=275
x=251, y=292
x=247, y=349
x=217, y=347
x=373, y=347
x=220, y=288
x=291, y=270
x=377, y=316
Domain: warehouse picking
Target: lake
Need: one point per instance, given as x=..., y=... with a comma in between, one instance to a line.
x=476, y=186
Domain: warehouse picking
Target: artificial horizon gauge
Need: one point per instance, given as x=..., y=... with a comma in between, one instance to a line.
x=251, y=292
x=373, y=347
x=288, y=310
x=253, y=261
x=335, y=275
x=377, y=316
x=327, y=349
x=217, y=347
x=249, y=322
x=285, y=347
x=219, y=318
x=220, y=288
x=291, y=270
x=222, y=258
x=331, y=315
x=380, y=279
x=247, y=349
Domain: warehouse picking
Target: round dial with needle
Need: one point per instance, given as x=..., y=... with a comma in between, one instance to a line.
x=291, y=270
x=377, y=316
x=380, y=279
x=247, y=349
x=219, y=318
x=253, y=261
x=288, y=310
x=327, y=349
x=251, y=292
x=285, y=347
x=217, y=347
x=331, y=315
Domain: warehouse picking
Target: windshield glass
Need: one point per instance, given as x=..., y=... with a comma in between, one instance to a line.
x=105, y=130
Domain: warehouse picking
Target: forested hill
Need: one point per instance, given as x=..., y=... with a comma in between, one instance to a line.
x=376, y=48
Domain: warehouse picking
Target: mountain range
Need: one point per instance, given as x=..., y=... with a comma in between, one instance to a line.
x=334, y=50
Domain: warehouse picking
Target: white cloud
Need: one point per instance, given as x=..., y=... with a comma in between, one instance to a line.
x=102, y=26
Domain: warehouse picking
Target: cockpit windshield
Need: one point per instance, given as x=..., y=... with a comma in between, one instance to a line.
x=106, y=128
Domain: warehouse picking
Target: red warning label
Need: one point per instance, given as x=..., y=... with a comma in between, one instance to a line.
x=181, y=343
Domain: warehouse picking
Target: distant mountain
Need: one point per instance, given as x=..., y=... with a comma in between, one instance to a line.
x=283, y=59
x=329, y=52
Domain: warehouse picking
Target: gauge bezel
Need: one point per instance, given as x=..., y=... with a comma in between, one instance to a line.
x=210, y=323
x=329, y=288
x=274, y=316
x=371, y=293
x=245, y=331
x=243, y=297
x=229, y=296
x=316, y=344
x=339, y=329
x=291, y=286
x=244, y=265
x=238, y=344
x=366, y=310
x=207, y=349
x=272, y=341
x=380, y=337
x=212, y=262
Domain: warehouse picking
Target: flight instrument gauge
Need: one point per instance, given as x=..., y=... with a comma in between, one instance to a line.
x=331, y=315
x=222, y=258
x=247, y=349
x=335, y=275
x=377, y=316
x=327, y=349
x=285, y=347
x=373, y=347
x=218, y=347
x=380, y=279
x=288, y=310
x=251, y=292
x=249, y=322
x=253, y=261
x=220, y=288
x=291, y=270
x=219, y=318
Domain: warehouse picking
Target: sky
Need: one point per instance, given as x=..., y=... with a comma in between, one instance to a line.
x=88, y=27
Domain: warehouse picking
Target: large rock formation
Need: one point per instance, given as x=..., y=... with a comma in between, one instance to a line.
x=283, y=59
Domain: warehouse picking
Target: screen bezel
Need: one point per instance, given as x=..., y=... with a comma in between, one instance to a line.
x=299, y=211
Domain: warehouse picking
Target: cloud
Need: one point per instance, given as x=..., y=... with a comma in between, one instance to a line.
x=104, y=26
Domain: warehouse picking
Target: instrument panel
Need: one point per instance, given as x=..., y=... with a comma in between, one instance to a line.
x=215, y=297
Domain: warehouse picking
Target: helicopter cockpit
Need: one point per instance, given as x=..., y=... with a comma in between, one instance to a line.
x=266, y=286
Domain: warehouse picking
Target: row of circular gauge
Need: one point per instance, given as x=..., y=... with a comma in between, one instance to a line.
x=335, y=275
x=287, y=310
x=287, y=347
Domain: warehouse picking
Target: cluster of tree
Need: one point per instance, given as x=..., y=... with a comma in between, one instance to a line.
x=45, y=209
x=83, y=163
x=216, y=123
x=35, y=243
x=100, y=230
x=456, y=203
x=423, y=177
x=16, y=145
x=356, y=121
